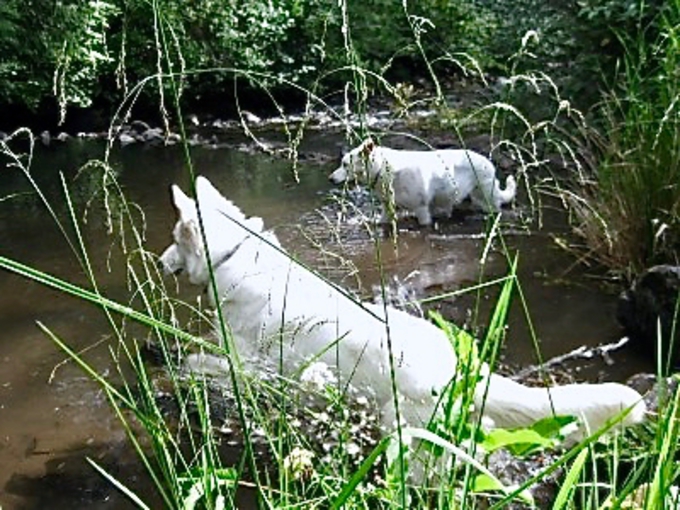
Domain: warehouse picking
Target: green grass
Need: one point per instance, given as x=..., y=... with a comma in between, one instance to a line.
x=628, y=209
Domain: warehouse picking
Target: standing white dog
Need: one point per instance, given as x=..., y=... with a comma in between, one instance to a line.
x=426, y=183
x=283, y=315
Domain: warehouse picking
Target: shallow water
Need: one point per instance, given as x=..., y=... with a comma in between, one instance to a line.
x=53, y=416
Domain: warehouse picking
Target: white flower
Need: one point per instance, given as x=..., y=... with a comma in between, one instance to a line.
x=298, y=464
x=318, y=375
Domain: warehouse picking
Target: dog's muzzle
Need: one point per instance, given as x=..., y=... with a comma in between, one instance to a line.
x=338, y=176
x=170, y=261
x=166, y=269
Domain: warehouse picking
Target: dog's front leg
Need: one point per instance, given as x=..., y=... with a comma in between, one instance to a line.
x=385, y=216
x=423, y=215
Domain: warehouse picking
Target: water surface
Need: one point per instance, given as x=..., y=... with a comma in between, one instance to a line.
x=53, y=416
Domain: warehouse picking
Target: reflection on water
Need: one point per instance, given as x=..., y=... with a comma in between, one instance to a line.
x=49, y=428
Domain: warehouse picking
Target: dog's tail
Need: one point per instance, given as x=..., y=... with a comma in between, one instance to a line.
x=507, y=195
x=509, y=404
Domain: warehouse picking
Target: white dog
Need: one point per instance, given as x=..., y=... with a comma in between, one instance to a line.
x=283, y=315
x=426, y=183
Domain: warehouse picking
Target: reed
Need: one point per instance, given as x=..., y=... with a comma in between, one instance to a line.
x=628, y=208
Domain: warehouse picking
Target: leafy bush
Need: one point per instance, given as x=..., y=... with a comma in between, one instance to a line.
x=25, y=73
x=88, y=50
x=55, y=48
x=385, y=30
x=83, y=53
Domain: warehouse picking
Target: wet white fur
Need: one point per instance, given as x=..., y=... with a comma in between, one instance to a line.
x=278, y=311
x=426, y=183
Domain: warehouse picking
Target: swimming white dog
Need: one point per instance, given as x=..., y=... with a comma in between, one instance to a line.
x=426, y=183
x=283, y=315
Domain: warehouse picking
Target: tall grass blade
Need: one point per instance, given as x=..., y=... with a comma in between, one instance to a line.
x=117, y=483
x=568, y=487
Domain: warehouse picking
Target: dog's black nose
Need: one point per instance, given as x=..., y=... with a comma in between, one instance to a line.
x=167, y=270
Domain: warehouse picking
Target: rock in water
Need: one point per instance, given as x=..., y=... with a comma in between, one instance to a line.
x=649, y=312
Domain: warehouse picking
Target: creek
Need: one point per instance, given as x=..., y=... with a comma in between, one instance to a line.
x=53, y=416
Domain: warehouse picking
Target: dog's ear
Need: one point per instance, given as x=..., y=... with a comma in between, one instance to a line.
x=209, y=198
x=183, y=204
x=367, y=147
x=204, y=188
x=207, y=194
x=255, y=224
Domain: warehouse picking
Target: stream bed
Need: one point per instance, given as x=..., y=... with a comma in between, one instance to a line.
x=53, y=416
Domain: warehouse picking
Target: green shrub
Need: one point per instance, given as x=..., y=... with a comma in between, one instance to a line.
x=81, y=51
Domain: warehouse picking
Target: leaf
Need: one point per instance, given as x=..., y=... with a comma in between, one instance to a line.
x=544, y=433
x=485, y=483
x=553, y=426
x=351, y=485
x=525, y=438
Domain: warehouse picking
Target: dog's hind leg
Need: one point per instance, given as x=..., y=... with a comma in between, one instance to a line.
x=484, y=201
x=495, y=195
x=442, y=208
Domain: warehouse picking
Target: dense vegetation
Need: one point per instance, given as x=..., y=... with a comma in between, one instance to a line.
x=629, y=210
x=94, y=51
x=89, y=51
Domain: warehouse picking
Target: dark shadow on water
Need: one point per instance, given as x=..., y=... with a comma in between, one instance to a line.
x=69, y=481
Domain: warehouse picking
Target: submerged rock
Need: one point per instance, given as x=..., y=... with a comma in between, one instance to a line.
x=648, y=312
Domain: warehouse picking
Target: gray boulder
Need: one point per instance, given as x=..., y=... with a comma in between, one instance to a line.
x=649, y=312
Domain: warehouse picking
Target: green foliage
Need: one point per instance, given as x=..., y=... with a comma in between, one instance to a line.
x=25, y=74
x=612, y=16
x=544, y=434
x=53, y=48
x=576, y=42
x=261, y=37
x=82, y=51
x=384, y=31
x=630, y=217
x=303, y=41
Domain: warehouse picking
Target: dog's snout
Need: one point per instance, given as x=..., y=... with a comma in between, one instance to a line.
x=167, y=268
x=171, y=261
x=337, y=176
x=162, y=267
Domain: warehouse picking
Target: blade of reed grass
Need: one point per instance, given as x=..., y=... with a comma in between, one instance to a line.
x=348, y=488
x=568, y=487
x=118, y=484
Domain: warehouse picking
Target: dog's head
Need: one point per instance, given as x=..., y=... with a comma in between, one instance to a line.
x=355, y=164
x=225, y=229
